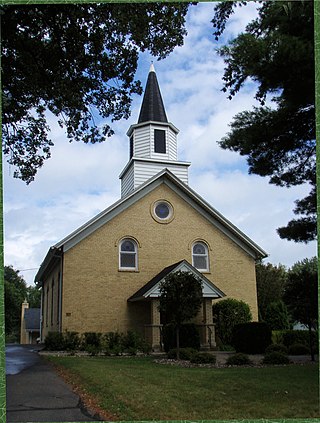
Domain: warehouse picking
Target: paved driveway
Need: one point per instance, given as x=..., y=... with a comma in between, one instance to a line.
x=35, y=392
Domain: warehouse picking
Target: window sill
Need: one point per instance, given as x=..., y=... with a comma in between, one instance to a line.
x=129, y=270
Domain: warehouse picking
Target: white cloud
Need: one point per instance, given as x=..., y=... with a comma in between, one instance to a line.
x=81, y=180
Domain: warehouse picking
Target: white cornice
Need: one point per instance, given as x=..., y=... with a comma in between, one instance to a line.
x=151, y=122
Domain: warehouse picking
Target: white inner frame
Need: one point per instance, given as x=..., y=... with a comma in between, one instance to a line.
x=205, y=255
x=134, y=253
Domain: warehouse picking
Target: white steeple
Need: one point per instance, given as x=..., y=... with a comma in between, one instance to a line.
x=153, y=142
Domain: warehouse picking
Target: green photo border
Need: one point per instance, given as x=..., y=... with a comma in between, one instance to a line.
x=2, y=320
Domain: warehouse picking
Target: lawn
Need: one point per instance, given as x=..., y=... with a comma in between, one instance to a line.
x=131, y=388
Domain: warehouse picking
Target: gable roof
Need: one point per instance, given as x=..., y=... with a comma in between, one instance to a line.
x=32, y=319
x=151, y=289
x=181, y=189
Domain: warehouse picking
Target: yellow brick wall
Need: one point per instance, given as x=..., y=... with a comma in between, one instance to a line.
x=95, y=292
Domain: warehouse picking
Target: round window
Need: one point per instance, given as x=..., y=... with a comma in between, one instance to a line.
x=162, y=211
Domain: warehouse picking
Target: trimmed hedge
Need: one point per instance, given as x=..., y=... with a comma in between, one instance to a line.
x=251, y=338
x=238, y=359
x=203, y=358
x=276, y=357
x=185, y=353
x=299, y=349
x=277, y=347
x=189, y=336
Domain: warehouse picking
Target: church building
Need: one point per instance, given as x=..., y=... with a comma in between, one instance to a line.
x=105, y=276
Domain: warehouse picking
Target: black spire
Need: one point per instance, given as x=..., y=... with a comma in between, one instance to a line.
x=152, y=105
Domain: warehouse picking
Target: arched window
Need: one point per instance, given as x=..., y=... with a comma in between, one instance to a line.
x=200, y=258
x=128, y=254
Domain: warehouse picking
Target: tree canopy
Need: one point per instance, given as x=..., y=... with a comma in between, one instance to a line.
x=271, y=282
x=77, y=61
x=180, y=299
x=276, y=51
x=15, y=292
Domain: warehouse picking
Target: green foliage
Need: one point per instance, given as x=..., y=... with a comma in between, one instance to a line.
x=291, y=337
x=277, y=347
x=44, y=69
x=228, y=313
x=301, y=293
x=189, y=336
x=180, y=300
x=251, y=338
x=203, y=358
x=15, y=292
x=34, y=296
x=278, y=141
x=91, y=341
x=185, y=353
x=276, y=357
x=298, y=349
x=271, y=281
x=276, y=316
x=54, y=341
x=71, y=341
x=239, y=359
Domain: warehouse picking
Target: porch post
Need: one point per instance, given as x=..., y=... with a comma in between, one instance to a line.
x=155, y=324
x=209, y=330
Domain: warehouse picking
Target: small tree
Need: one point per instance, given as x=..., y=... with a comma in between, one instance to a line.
x=301, y=295
x=276, y=316
x=228, y=313
x=180, y=299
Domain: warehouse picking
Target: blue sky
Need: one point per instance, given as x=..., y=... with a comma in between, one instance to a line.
x=81, y=180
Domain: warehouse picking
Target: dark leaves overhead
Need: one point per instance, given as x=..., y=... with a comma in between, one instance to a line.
x=78, y=62
x=276, y=52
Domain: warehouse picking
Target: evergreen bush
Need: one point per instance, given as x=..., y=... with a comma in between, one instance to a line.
x=298, y=349
x=238, y=359
x=277, y=347
x=203, y=358
x=251, y=338
x=91, y=342
x=54, y=341
x=185, y=353
x=71, y=341
x=276, y=357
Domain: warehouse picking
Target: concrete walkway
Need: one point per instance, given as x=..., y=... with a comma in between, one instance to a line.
x=38, y=394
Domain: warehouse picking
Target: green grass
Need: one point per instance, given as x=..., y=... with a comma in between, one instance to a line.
x=139, y=389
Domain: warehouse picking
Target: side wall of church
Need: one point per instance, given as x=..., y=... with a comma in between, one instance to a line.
x=95, y=291
x=50, y=303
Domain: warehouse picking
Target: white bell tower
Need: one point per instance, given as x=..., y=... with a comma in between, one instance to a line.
x=153, y=142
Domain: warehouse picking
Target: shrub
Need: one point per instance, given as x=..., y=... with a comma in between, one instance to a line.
x=71, y=341
x=112, y=342
x=299, y=349
x=92, y=342
x=54, y=341
x=189, y=336
x=185, y=353
x=133, y=342
x=276, y=357
x=291, y=337
x=239, y=359
x=277, y=347
x=228, y=313
x=251, y=338
x=203, y=358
